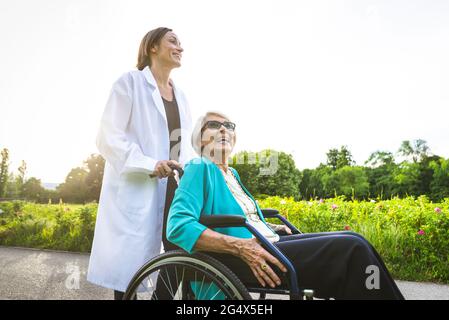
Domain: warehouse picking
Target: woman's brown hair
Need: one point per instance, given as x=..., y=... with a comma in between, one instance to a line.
x=151, y=39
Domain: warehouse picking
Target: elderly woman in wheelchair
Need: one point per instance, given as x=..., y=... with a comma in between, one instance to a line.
x=229, y=250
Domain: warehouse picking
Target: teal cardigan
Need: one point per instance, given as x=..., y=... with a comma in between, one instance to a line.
x=202, y=191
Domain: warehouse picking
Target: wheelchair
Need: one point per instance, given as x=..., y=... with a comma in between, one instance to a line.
x=178, y=275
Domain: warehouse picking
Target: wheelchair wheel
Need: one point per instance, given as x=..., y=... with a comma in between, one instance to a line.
x=177, y=275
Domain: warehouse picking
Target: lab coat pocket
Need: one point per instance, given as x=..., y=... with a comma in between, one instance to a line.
x=134, y=192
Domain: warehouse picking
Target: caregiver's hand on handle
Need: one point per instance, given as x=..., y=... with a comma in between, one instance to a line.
x=165, y=168
x=257, y=258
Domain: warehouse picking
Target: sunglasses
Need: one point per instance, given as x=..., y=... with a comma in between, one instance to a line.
x=213, y=124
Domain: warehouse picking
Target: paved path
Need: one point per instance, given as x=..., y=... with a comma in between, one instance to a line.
x=43, y=274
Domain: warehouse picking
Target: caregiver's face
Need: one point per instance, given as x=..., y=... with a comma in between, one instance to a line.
x=169, y=50
x=219, y=134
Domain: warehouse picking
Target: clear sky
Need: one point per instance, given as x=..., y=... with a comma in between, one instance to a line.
x=297, y=76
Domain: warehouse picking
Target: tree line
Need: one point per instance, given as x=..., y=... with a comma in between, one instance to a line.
x=411, y=171
x=82, y=184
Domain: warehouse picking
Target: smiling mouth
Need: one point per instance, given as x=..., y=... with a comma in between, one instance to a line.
x=223, y=140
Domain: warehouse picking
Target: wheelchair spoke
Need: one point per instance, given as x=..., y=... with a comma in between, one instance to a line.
x=162, y=278
x=219, y=291
x=182, y=282
x=201, y=288
x=208, y=288
x=169, y=282
x=179, y=292
x=153, y=290
x=147, y=284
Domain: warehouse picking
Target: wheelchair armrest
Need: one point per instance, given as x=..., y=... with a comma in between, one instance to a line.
x=269, y=212
x=273, y=213
x=233, y=220
x=228, y=220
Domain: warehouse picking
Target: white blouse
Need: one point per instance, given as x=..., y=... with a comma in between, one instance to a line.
x=248, y=206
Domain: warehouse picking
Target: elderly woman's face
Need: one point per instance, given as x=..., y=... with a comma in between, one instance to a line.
x=219, y=139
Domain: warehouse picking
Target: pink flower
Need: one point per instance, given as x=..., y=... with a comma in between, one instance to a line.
x=347, y=228
x=334, y=206
x=437, y=210
x=321, y=201
x=421, y=232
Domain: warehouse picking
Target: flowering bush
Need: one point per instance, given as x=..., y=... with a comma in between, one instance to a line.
x=411, y=234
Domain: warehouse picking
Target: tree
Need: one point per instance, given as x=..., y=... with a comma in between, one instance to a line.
x=381, y=180
x=268, y=172
x=95, y=168
x=349, y=181
x=248, y=167
x=284, y=181
x=312, y=182
x=426, y=172
x=439, y=187
x=414, y=175
x=74, y=189
x=406, y=178
x=353, y=182
x=33, y=190
x=4, y=176
x=380, y=158
x=332, y=158
x=337, y=159
x=415, y=151
x=22, y=171
x=379, y=170
x=14, y=189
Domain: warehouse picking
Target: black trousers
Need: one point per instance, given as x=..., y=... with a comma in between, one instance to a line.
x=335, y=264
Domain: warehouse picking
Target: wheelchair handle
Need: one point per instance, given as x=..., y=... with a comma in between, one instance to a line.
x=176, y=168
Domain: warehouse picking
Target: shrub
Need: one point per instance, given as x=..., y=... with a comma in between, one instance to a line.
x=410, y=234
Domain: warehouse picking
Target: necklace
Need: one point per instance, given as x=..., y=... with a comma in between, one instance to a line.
x=248, y=203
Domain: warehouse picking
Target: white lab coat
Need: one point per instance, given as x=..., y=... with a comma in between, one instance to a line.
x=133, y=136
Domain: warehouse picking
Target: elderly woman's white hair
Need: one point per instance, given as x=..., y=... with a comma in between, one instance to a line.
x=197, y=130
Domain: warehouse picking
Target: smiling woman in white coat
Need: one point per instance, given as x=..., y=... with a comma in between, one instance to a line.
x=145, y=130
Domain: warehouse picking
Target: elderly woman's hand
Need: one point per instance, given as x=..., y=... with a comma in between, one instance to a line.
x=257, y=258
x=282, y=228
